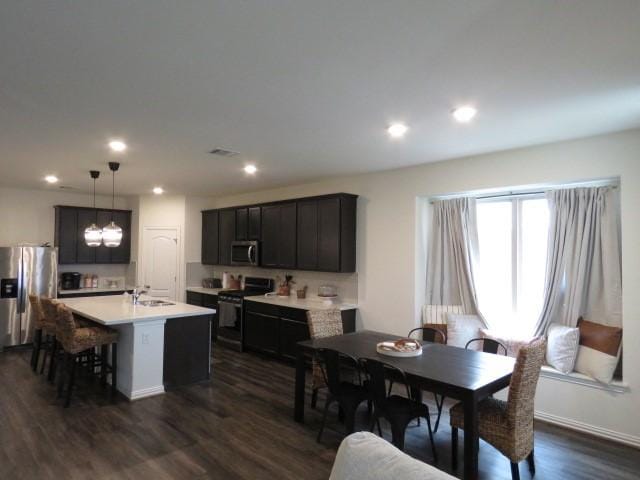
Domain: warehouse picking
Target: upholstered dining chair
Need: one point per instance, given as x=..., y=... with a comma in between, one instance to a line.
x=322, y=323
x=508, y=426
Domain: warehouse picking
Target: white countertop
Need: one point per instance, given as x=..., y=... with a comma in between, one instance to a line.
x=93, y=290
x=309, y=303
x=210, y=291
x=119, y=309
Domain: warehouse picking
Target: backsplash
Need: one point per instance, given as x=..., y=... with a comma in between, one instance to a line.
x=125, y=275
x=346, y=283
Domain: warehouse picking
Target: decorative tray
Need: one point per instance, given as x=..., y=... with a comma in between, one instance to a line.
x=406, y=347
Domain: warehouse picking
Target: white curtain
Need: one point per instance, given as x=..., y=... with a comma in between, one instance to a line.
x=583, y=274
x=453, y=253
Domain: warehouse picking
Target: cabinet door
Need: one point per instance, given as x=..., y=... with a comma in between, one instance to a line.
x=84, y=253
x=307, y=235
x=329, y=234
x=66, y=237
x=288, y=235
x=253, y=230
x=227, y=235
x=242, y=219
x=103, y=254
x=194, y=298
x=210, y=229
x=122, y=253
x=261, y=332
x=291, y=332
x=211, y=301
x=270, y=235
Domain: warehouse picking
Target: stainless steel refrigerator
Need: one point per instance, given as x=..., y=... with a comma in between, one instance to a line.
x=24, y=270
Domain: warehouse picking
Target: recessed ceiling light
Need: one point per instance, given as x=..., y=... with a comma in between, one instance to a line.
x=464, y=114
x=51, y=179
x=397, y=130
x=158, y=190
x=250, y=169
x=117, y=146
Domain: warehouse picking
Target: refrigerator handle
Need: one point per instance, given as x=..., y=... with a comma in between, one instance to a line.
x=21, y=288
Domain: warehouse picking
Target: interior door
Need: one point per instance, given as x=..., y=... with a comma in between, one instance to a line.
x=160, y=262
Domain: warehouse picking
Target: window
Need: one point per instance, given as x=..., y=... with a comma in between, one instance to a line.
x=512, y=235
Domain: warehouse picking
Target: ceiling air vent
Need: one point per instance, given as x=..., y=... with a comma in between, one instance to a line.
x=221, y=152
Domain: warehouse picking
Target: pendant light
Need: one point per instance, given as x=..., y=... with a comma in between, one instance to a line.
x=112, y=233
x=93, y=234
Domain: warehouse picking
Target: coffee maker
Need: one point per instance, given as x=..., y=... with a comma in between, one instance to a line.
x=70, y=280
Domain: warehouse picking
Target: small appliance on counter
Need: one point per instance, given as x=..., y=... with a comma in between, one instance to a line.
x=327, y=291
x=211, y=283
x=70, y=280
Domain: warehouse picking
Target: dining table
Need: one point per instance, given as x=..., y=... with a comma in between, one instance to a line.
x=465, y=375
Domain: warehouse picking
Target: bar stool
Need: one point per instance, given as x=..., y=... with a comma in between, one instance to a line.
x=78, y=340
x=43, y=326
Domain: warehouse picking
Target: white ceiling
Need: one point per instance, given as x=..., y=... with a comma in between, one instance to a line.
x=303, y=88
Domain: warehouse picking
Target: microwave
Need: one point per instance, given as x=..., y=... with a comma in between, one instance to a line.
x=245, y=253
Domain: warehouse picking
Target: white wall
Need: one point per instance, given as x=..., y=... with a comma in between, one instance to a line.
x=27, y=216
x=391, y=260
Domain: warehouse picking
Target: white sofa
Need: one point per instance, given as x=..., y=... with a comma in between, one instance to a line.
x=365, y=456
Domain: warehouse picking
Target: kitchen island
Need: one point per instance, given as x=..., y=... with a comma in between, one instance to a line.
x=159, y=346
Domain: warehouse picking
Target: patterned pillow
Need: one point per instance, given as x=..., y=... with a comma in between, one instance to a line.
x=462, y=328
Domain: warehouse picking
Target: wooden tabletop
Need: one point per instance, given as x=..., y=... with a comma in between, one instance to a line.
x=452, y=367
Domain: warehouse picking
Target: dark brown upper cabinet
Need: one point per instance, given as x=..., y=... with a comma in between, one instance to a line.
x=210, y=240
x=70, y=224
x=316, y=233
x=227, y=235
x=253, y=232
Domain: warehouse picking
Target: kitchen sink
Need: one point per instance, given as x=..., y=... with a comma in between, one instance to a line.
x=154, y=303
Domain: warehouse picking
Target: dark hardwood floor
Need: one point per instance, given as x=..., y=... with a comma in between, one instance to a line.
x=238, y=426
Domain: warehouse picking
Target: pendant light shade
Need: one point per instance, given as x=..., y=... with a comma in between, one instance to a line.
x=112, y=233
x=93, y=234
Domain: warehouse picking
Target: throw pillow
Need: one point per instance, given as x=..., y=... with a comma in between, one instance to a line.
x=462, y=328
x=513, y=344
x=562, y=347
x=598, y=351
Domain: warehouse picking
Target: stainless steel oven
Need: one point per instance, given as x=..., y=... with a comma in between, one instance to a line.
x=245, y=253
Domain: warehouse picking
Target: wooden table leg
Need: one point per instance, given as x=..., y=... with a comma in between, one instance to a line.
x=471, y=440
x=298, y=409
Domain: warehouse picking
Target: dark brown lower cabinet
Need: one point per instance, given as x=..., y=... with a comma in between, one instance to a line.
x=208, y=301
x=187, y=350
x=275, y=330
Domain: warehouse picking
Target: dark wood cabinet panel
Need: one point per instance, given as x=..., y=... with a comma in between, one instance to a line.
x=66, y=234
x=187, y=350
x=122, y=253
x=242, y=223
x=84, y=253
x=329, y=234
x=71, y=223
x=261, y=332
x=253, y=230
x=288, y=235
x=348, y=227
x=270, y=235
x=211, y=301
x=194, y=298
x=307, y=235
x=291, y=332
x=210, y=241
x=227, y=235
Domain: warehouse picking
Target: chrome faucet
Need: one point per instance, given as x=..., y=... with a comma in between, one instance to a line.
x=135, y=295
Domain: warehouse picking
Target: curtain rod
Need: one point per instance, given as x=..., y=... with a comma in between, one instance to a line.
x=517, y=194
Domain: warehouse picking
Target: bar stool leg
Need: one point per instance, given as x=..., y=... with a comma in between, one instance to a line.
x=72, y=375
x=54, y=360
x=62, y=373
x=37, y=343
x=114, y=371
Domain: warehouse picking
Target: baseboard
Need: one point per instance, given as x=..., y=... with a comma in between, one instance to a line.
x=582, y=427
x=146, y=392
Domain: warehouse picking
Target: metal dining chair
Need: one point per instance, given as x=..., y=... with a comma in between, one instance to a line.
x=399, y=411
x=489, y=345
x=433, y=335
